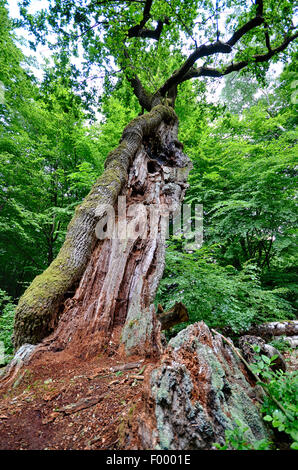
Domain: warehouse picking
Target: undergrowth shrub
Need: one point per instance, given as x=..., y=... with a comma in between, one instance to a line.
x=236, y=439
x=282, y=388
x=7, y=309
x=220, y=296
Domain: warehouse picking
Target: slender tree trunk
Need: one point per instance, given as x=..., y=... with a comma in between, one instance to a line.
x=97, y=291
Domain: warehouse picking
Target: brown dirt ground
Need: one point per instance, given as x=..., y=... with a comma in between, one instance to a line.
x=29, y=410
x=29, y=416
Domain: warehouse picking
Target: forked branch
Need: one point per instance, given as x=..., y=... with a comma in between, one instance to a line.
x=188, y=71
x=237, y=66
x=139, y=30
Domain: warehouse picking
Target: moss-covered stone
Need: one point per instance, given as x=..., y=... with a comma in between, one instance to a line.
x=199, y=391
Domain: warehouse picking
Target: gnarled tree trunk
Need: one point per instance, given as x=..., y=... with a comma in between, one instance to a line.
x=96, y=288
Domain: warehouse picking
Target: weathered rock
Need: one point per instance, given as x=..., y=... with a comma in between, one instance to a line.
x=246, y=344
x=196, y=393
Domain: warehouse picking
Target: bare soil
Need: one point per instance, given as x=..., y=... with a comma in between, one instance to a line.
x=66, y=403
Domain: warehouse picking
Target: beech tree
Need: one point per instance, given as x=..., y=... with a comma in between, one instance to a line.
x=97, y=291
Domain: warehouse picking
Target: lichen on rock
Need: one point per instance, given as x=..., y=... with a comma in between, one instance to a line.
x=198, y=391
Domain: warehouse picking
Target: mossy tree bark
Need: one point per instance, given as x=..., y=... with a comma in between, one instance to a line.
x=94, y=287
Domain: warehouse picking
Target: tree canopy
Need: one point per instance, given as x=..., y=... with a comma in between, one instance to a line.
x=160, y=44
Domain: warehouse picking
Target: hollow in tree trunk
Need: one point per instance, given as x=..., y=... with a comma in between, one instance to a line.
x=100, y=289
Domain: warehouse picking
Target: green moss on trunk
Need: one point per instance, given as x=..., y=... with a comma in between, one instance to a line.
x=38, y=309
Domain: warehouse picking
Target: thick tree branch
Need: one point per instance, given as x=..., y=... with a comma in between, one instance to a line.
x=259, y=58
x=186, y=69
x=144, y=97
x=267, y=37
x=253, y=23
x=139, y=30
x=202, y=51
x=235, y=67
x=136, y=31
x=257, y=21
x=260, y=7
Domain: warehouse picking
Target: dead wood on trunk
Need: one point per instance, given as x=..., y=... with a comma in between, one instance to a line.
x=114, y=279
x=276, y=328
x=82, y=404
x=128, y=366
x=174, y=316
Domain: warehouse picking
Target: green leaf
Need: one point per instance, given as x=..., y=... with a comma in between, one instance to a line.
x=267, y=418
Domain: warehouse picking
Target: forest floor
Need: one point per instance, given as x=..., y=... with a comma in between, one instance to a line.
x=73, y=404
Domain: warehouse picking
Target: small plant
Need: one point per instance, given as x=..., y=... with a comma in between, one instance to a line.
x=6, y=325
x=236, y=439
x=281, y=344
x=280, y=403
x=263, y=363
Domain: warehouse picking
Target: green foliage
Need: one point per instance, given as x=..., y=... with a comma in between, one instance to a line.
x=49, y=159
x=245, y=176
x=101, y=28
x=240, y=162
x=220, y=296
x=283, y=386
x=236, y=439
x=6, y=324
x=239, y=92
x=282, y=389
x=281, y=344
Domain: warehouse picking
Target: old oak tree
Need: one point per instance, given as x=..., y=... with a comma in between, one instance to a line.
x=97, y=290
